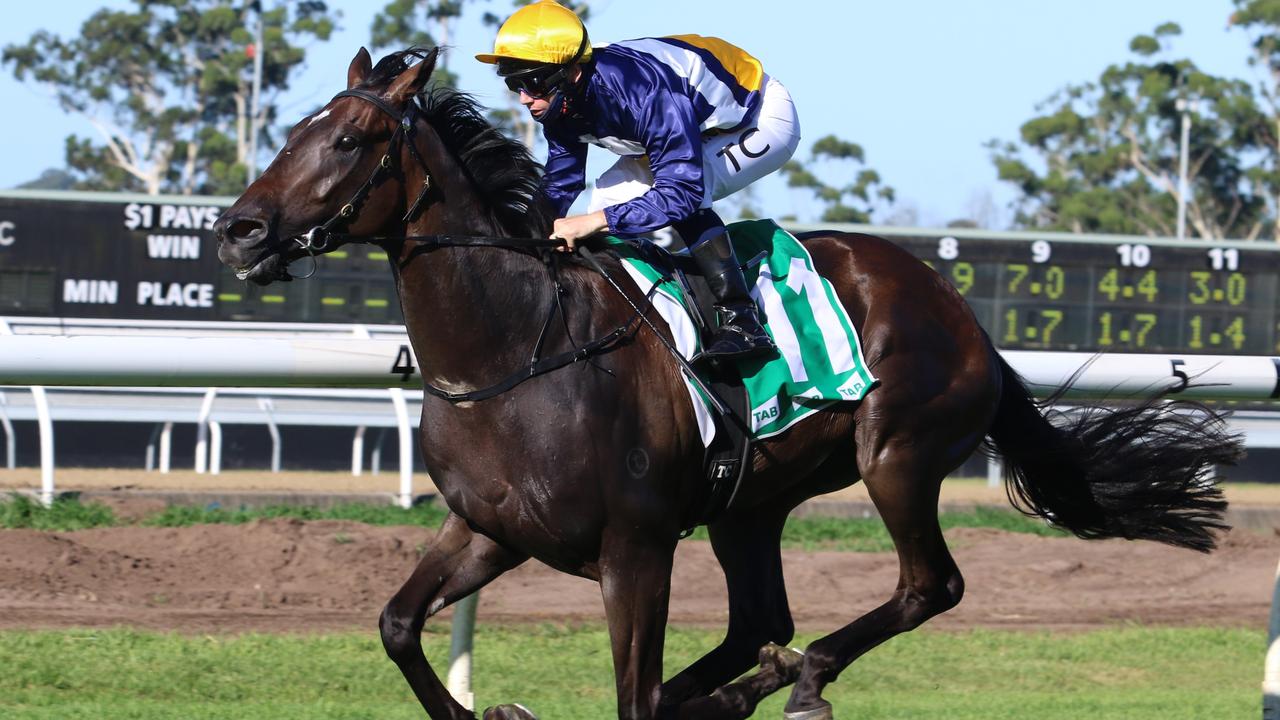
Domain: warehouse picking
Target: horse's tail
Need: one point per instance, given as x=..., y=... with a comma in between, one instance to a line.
x=1141, y=471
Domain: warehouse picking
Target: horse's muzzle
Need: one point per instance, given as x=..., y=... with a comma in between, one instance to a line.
x=247, y=245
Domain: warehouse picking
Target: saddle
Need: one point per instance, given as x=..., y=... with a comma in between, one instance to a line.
x=727, y=461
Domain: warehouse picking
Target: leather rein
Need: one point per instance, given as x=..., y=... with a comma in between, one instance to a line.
x=321, y=239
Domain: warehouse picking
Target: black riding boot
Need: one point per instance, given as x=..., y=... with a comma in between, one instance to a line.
x=740, y=334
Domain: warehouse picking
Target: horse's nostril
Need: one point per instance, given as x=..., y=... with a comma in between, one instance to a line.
x=246, y=230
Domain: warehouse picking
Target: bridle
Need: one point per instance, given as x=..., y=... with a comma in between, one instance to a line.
x=316, y=240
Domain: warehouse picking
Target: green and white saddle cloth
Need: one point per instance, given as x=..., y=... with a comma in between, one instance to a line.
x=820, y=360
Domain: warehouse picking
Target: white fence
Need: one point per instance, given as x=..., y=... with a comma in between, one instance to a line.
x=104, y=355
x=276, y=356
x=210, y=409
x=112, y=353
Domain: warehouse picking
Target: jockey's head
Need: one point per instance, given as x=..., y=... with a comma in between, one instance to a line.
x=537, y=52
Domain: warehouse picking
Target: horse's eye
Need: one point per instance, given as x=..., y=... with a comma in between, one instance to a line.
x=347, y=143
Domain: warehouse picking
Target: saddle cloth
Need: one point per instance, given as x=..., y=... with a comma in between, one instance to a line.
x=820, y=359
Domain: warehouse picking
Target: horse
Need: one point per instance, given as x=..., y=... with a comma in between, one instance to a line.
x=594, y=466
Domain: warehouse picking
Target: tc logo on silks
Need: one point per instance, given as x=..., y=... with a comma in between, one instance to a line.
x=742, y=144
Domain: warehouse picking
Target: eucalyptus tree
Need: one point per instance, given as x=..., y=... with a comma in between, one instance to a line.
x=1103, y=156
x=1260, y=20
x=165, y=86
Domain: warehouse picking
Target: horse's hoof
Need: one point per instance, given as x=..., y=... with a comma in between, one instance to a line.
x=822, y=712
x=514, y=711
x=785, y=662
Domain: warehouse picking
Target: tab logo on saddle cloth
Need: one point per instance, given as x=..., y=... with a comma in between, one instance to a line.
x=820, y=359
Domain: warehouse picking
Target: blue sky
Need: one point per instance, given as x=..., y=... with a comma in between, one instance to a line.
x=920, y=85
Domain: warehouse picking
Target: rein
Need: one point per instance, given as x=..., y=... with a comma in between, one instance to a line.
x=319, y=238
x=456, y=241
x=537, y=365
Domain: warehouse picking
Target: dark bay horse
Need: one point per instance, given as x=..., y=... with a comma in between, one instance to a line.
x=592, y=468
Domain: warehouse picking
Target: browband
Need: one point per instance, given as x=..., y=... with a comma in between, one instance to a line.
x=369, y=97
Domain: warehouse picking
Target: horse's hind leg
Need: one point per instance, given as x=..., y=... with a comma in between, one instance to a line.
x=905, y=492
x=746, y=544
x=457, y=563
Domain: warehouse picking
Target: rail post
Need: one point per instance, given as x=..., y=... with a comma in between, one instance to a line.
x=10, y=439
x=202, y=431
x=45, y=422
x=1271, y=667
x=461, y=643
x=405, y=432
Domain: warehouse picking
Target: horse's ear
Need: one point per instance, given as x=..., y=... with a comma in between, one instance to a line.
x=410, y=82
x=359, y=69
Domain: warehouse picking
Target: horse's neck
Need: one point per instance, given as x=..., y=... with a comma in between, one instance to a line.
x=473, y=313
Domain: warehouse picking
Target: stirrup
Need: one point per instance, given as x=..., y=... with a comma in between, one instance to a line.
x=740, y=335
x=734, y=342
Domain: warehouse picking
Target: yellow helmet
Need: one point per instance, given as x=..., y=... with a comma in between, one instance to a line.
x=541, y=32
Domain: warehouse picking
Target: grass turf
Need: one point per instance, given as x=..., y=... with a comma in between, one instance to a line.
x=808, y=533
x=564, y=673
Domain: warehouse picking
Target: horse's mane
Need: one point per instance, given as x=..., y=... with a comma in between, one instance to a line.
x=502, y=170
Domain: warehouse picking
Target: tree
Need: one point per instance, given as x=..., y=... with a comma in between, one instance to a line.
x=853, y=202
x=1104, y=155
x=166, y=86
x=51, y=179
x=418, y=23
x=1261, y=20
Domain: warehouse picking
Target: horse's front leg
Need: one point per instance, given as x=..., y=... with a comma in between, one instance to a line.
x=457, y=563
x=635, y=579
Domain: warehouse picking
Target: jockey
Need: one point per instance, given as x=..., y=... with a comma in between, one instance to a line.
x=695, y=119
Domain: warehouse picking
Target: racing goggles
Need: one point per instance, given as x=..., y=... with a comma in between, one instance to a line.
x=538, y=82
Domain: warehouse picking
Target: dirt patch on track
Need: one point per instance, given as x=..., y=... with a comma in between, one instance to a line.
x=282, y=575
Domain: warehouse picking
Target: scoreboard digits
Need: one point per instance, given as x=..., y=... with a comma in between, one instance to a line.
x=1158, y=296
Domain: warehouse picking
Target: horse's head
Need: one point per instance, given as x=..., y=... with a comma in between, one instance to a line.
x=338, y=171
